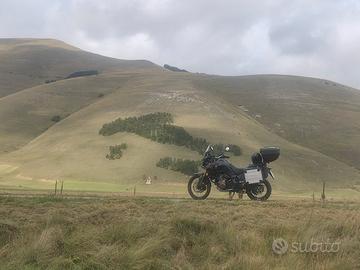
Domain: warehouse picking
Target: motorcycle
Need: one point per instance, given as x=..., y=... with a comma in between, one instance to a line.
x=252, y=180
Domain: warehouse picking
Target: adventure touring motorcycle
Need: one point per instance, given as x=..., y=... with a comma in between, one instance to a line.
x=228, y=178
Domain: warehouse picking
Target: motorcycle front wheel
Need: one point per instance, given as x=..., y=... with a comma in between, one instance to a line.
x=196, y=190
x=260, y=191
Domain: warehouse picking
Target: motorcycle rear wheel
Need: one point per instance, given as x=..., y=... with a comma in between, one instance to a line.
x=253, y=191
x=196, y=192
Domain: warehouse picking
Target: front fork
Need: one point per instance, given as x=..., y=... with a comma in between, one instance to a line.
x=203, y=178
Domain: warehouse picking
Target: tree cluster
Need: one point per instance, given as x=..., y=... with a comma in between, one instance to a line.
x=185, y=166
x=56, y=118
x=116, y=151
x=158, y=127
x=175, y=69
x=82, y=73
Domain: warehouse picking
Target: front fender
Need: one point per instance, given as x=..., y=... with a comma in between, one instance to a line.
x=203, y=178
x=196, y=175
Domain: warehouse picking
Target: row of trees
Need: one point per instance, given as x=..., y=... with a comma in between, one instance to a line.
x=185, y=166
x=82, y=73
x=144, y=125
x=158, y=127
x=75, y=74
x=116, y=151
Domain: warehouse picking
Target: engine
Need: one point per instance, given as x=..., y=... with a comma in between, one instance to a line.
x=224, y=182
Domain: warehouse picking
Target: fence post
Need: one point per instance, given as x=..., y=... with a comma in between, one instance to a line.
x=62, y=186
x=55, y=187
x=134, y=190
x=323, y=192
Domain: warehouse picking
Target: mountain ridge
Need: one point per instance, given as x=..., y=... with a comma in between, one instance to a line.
x=25, y=63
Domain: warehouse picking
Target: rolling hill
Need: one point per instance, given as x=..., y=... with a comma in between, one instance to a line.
x=315, y=122
x=25, y=63
x=301, y=110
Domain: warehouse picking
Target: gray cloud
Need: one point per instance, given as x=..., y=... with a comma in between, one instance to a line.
x=311, y=38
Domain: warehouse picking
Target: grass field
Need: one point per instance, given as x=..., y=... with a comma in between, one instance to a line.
x=163, y=233
x=164, y=189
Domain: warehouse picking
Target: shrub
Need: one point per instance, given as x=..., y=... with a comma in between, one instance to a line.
x=175, y=69
x=50, y=81
x=185, y=166
x=115, y=152
x=56, y=118
x=235, y=149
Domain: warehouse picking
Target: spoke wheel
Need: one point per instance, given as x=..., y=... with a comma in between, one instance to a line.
x=198, y=191
x=259, y=192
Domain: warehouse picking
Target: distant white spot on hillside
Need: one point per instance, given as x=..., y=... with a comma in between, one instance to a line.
x=242, y=107
x=175, y=97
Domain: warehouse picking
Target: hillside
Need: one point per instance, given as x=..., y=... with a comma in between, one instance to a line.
x=28, y=113
x=302, y=110
x=25, y=63
x=294, y=113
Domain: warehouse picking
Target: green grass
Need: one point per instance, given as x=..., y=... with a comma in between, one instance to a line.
x=153, y=233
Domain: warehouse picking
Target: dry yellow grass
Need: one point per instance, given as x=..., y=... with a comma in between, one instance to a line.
x=154, y=233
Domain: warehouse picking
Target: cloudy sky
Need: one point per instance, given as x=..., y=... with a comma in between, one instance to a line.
x=230, y=37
